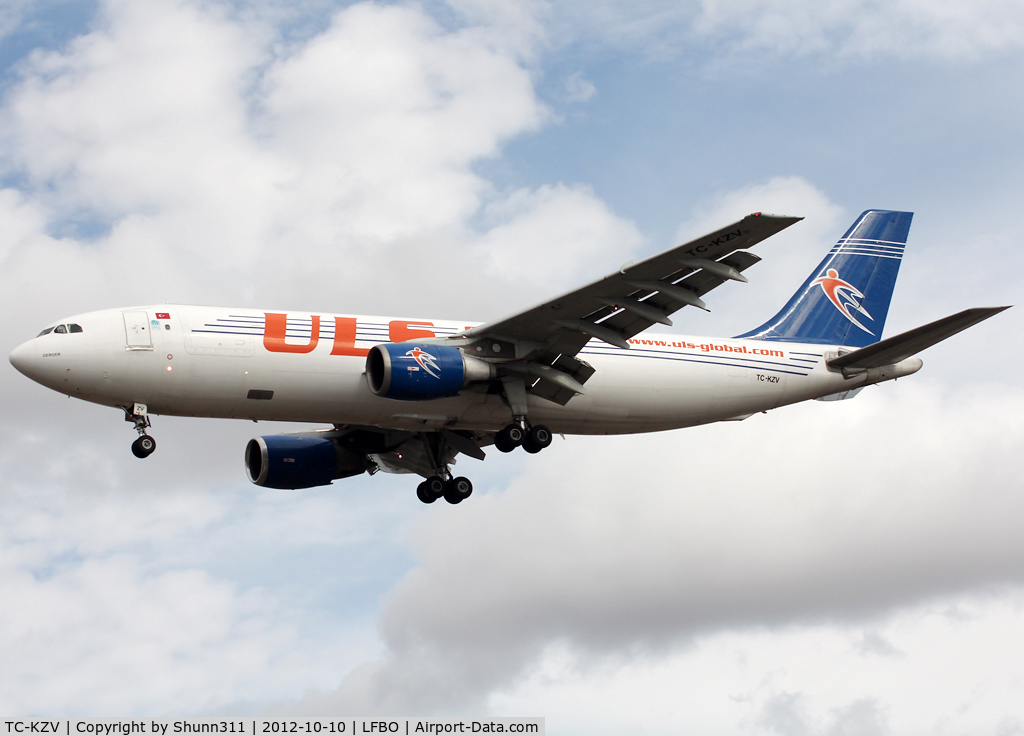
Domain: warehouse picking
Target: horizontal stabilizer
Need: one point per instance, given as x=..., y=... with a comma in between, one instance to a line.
x=894, y=349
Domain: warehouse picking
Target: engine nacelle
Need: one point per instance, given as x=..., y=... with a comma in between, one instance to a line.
x=414, y=372
x=290, y=461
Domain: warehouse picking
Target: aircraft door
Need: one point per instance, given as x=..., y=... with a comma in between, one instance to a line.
x=137, y=332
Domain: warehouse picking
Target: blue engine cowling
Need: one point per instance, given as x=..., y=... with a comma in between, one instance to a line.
x=290, y=461
x=415, y=372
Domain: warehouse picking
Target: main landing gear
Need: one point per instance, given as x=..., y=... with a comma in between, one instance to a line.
x=441, y=484
x=532, y=439
x=144, y=445
x=453, y=490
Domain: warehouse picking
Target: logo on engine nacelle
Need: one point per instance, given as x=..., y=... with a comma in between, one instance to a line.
x=426, y=361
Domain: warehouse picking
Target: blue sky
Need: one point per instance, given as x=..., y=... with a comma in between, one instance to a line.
x=852, y=567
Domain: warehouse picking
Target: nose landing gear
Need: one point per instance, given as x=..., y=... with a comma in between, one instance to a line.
x=138, y=414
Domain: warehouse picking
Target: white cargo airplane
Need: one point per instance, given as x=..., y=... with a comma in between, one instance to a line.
x=408, y=395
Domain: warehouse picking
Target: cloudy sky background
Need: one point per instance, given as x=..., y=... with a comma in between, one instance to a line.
x=846, y=568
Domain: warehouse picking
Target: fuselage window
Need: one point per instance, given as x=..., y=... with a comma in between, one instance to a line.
x=47, y=331
x=61, y=329
x=74, y=328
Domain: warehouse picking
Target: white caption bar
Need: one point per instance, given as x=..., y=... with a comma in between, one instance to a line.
x=261, y=726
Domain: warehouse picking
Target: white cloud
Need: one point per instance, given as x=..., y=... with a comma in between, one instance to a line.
x=81, y=636
x=180, y=130
x=578, y=89
x=94, y=619
x=386, y=112
x=554, y=237
x=176, y=586
x=12, y=14
x=908, y=28
x=961, y=674
x=780, y=195
x=859, y=29
x=140, y=114
x=24, y=226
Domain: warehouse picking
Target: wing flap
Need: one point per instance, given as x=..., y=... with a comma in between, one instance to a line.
x=551, y=391
x=556, y=391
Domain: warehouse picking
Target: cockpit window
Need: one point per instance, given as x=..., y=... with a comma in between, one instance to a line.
x=61, y=330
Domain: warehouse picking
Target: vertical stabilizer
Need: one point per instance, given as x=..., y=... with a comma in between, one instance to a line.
x=846, y=299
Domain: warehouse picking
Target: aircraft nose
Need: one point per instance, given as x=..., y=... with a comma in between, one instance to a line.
x=25, y=358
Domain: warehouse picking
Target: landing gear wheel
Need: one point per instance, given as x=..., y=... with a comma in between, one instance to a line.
x=509, y=438
x=143, y=446
x=540, y=436
x=503, y=443
x=457, y=490
x=432, y=488
x=424, y=494
x=537, y=439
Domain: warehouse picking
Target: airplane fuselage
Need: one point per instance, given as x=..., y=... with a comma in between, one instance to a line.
x=269, y=365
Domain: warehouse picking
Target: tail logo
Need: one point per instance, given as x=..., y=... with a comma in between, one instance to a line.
x=844, y=297
x=426, y=361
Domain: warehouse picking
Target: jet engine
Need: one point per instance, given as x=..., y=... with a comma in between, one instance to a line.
x=416, y=372
x=290, y=461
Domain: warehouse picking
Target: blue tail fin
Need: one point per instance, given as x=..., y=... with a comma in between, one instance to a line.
x=846, y=299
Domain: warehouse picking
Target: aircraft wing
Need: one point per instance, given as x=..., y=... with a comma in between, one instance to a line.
x=541, y=342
